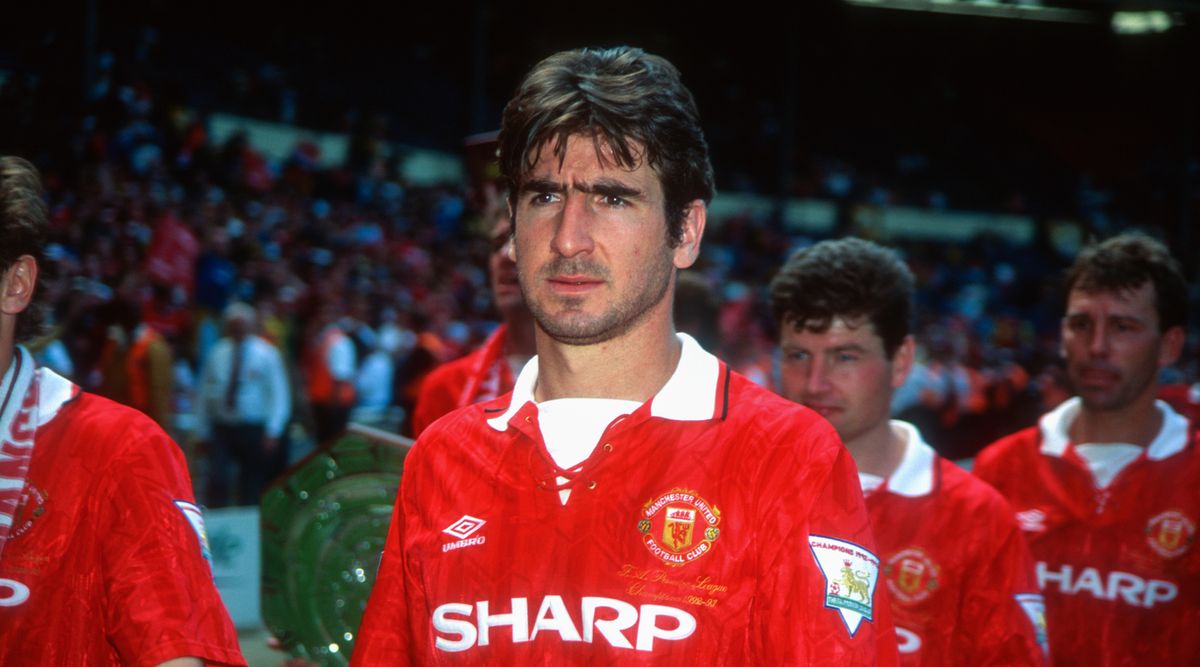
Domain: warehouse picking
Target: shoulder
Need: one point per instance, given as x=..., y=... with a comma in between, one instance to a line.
x=94, y=423
x=749, y=407
x=971, y=495
x=1007, y=451
x=451, y=371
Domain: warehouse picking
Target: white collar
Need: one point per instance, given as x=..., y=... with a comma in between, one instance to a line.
x=689, y=395
x=1172, y=438
x=54, y=391
x=914, y=476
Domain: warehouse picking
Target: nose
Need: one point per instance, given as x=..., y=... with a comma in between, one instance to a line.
x=816, y=382
x=1098, y=343
x=573, y=235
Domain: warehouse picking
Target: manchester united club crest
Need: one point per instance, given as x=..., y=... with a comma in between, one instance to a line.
x=679, y=526
x=911, y=575
x=1170, y=533
x=31, y=506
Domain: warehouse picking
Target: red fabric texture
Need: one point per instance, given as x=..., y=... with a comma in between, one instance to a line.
x=113, y=570
x=954, y=563
x=479, y=376
x=1104, y=573
x=775, y=472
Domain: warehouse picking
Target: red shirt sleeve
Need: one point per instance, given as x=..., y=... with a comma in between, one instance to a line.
x=809, y=614
x=161, y=601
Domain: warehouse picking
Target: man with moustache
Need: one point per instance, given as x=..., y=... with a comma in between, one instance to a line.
x=1105, y=486
x=632, y=499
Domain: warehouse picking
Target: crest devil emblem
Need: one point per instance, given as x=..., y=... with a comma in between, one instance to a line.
x=911, y=575
x=1170, y=533
x=675, y=542
x=31, y=506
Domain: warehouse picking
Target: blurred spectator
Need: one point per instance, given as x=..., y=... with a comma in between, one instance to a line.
x=242, y=409
x=489, y=371
x=137, y=364
x=330, y=365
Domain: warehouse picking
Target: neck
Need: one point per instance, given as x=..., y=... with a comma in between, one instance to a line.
x=521, y=338
x=1137, y=423
x=7, y=343
x=878, y=451
x=631, y=368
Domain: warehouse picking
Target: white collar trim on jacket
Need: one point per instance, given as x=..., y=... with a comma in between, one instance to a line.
x=1172, y=438
x=914, y=476
x=689, y=395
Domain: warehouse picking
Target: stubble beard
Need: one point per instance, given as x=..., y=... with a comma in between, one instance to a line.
x=1125, y=393
x=562, y=317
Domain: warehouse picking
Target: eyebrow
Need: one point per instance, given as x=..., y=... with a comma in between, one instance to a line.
x=604, y=186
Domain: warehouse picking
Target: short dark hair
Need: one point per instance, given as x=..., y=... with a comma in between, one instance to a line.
x=1126, y=262
x=23, y=224
x=623, y=97
x=848, y=278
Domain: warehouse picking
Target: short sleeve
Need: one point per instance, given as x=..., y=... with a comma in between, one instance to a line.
x=161, y=601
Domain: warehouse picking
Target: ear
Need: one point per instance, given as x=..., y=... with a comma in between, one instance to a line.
x=902, y=361
x=695, y=215
x=1171, y=347
x=17, y=285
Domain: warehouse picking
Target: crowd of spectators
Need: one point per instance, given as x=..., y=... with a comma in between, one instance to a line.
x=157, y=231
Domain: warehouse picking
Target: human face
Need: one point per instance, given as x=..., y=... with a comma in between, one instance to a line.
x=843, y=374
x=591, y=244
x=1114, y=348
x=502, y=270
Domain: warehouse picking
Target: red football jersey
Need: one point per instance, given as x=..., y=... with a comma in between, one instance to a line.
x=717, y=524
x=957, y=570
x=105, y=564
x=479, y=376
x=1118, y=565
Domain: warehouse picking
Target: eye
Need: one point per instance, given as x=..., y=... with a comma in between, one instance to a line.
x=845, y=357
x=614, y=201
x=1078, y=323
x=795, y=355
x=542, y=198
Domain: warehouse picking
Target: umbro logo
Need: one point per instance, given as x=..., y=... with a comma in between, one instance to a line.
x=1032, y=521
x=463, y=529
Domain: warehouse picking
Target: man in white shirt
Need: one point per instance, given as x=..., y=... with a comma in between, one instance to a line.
x=243, y=406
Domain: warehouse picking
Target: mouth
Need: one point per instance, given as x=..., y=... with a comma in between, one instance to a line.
x=573, y=284
x=824, y=409
x=1098, y=377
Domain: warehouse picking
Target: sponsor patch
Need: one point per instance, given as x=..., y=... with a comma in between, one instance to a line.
x=679, y=526
x=31, y=506
x=1035, y=609
x=851, y=573
x=1170, y=533
x=911, y=575
x=196, y=518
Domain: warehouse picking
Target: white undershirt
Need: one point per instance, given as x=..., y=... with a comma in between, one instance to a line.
x=1107, y=460
x=869, y=482
x=571, y=428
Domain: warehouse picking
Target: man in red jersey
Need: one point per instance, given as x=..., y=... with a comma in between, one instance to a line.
x=102, y=548
x=957, y=569
x=632, y=500
x=489, y=371
x=1105, y=487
